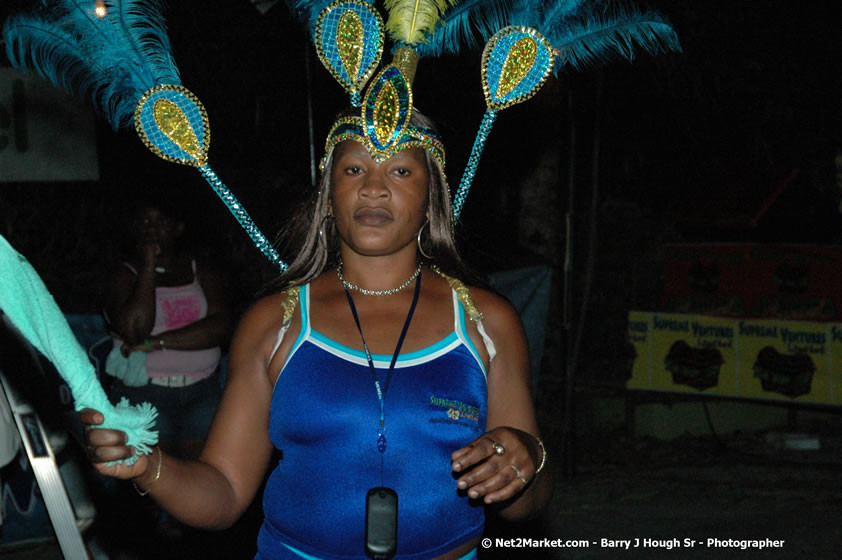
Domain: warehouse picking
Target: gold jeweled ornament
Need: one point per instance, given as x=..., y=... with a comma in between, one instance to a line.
x=349, y=42
x=386, y=112
x=174, y=124
x=518, y=64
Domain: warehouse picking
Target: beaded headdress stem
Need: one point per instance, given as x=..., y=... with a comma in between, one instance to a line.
x=173, y=124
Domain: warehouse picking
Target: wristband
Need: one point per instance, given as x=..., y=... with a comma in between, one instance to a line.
x=154, y=480
x=543, y=453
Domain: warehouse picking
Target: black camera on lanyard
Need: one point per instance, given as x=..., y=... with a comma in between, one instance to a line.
x=381, y=523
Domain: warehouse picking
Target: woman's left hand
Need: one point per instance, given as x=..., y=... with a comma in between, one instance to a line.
x=498, y=465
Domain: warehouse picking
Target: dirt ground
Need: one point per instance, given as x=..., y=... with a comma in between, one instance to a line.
x=742, y=491
x=695, y=497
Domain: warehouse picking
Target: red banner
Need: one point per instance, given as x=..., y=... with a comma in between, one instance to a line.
x=793, y=282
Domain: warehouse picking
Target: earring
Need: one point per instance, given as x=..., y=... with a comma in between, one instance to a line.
x=420, y=246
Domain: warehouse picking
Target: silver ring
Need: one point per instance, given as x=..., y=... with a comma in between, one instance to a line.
x=520, y=475
x=498, y=448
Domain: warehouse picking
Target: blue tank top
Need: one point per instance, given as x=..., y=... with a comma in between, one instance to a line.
x=324, y=419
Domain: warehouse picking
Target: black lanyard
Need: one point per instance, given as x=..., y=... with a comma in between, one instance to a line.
x=381, y=394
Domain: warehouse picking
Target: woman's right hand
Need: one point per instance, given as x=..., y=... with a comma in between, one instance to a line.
x=104, y=446
x=149, y=251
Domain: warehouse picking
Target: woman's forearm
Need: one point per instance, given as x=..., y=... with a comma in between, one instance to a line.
x=209, y=332
x=135, y=317
x=193, y=492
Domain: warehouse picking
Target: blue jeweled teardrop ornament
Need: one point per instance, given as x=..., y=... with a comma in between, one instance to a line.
x=173, y=124
x=349, y=42
x=516, y=62
x=381, y=443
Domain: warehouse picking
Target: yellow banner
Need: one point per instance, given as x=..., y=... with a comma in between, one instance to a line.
x=640, y=329
x=835, y=362
x=758, y=359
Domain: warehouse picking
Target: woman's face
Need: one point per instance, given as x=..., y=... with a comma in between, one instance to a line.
x=153, y=226
x=378, y=208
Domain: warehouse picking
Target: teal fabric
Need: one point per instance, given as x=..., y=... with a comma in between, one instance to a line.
x=33, y=311
x=131, y=371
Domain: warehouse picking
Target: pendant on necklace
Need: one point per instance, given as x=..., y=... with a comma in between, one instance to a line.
x=381, y=442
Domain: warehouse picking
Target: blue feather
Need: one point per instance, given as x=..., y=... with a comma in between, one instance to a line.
x=112, y=60
x=554, y=13
x=467, y=25
x=585, y=32
x=308, y=11
x=525, y=13
x=600, y=39
x=143, y=22
x=303, y=10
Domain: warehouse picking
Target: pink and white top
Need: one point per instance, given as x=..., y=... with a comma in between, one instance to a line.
x=175, y=307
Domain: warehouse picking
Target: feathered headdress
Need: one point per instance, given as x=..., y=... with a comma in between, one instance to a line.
x=525, y=40
x=117, y=53
x=349, y=37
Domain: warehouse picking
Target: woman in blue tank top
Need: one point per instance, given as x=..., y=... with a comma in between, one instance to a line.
x=402, y=414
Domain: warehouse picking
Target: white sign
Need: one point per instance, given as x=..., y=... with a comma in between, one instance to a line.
x=45, y=134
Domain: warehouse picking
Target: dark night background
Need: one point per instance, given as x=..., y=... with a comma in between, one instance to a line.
x=692, y=146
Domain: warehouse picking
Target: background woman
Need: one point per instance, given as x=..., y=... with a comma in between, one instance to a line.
x=167, y=306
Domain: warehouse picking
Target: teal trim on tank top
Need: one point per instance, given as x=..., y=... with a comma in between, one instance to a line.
x=416, y=355
x=472, y=555
x=307, y=332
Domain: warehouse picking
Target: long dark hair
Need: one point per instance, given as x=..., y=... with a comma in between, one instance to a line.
x=313, y=233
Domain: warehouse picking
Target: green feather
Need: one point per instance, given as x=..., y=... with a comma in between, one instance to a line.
x=412, y=21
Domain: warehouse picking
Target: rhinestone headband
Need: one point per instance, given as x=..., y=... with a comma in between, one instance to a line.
x=353, y=128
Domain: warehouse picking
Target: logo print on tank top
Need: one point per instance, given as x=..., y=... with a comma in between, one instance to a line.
x=180, y=312
x=452, y=411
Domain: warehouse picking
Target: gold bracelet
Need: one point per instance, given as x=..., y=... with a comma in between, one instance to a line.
x=543, y=453
x=154, y=480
